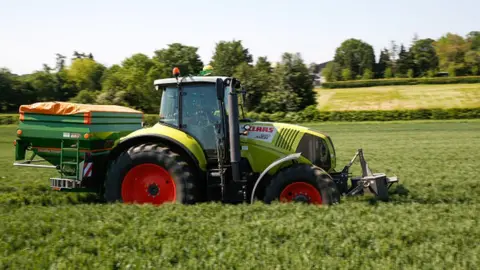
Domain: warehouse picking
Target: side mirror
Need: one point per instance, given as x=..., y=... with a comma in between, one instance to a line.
x=220, y=89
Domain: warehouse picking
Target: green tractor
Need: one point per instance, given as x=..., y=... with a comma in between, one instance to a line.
x=202, y=150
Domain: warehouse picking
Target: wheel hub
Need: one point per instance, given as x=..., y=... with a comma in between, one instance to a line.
x=301, y=198
x=153, y=190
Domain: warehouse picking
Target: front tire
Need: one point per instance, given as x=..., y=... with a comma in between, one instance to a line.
x=148, y=173
x=302, y=183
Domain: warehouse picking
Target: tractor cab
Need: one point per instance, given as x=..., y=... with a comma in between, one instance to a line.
x=193, y=107
x=201, y=106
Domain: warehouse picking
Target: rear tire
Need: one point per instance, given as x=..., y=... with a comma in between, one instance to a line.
x=302, y=183
x=148, y=173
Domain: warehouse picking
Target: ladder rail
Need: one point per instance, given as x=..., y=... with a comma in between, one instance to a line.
x=76, y=163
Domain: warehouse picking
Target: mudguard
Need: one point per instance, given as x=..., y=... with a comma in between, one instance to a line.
x=186, y=142
x=279, y=161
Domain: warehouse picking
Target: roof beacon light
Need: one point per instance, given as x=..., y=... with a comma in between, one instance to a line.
x=176, y=72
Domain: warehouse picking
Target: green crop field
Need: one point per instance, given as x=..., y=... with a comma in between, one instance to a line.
x=399, y=97
x=431, y=222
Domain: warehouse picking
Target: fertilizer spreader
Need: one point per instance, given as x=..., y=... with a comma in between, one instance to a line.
x=72, y=138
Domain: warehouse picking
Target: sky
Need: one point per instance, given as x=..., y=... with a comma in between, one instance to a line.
x=32, y=32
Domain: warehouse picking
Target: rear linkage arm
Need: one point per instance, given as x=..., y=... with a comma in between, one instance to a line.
x=376, y=183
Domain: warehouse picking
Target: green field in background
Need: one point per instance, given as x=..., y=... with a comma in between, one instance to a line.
x=401, y=97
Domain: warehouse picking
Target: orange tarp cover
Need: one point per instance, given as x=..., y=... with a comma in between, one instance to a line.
x=66, y=108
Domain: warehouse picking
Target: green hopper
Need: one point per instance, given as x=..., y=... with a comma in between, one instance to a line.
x=74, y=139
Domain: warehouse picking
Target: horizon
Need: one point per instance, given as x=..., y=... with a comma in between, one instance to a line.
x=113, y=31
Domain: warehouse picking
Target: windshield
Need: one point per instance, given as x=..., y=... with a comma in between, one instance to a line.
x=200, y=111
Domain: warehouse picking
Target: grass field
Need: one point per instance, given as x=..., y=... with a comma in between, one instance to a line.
x=399, y=97
x=432, y=221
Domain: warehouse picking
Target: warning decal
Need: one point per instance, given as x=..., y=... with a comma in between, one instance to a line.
x=87, y=169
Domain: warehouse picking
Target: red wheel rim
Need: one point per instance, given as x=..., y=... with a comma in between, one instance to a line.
x=301, y=191
x=148, y=183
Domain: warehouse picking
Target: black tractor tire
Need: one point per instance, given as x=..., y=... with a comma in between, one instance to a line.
x=298, y=173
x=179, y=171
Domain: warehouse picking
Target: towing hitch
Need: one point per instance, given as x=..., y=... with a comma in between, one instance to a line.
x=374, y=183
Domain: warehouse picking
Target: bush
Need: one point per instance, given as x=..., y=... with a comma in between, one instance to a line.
x=150, y=119
x=403, y=81
x=8, y=119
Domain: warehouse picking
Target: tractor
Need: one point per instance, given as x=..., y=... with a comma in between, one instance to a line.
x=203, y=149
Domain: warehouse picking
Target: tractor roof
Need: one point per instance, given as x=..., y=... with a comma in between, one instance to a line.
x=190, y=79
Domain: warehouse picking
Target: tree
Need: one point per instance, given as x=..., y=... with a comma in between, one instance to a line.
x=45, y=85
x=85, y=74
x=85, y=97
x=346, y=74
x=132, y=83
x=60, y=62
x=472, y=57
x=388, y=73
x=355, y=55
x=257, y=81
x=292, y=87
x=228, y=55
x=313, y=68
x=263, y=65
x=332, y=72
x=78, y=55
x=184, y=57
x=367, y=75
x=410, y=73
x=298, y=78
x=474, y=40
x=472, y=61
x=8, y=96
x=383, y=63
x=393, y=56
x=404, y=62
x=280, y=97
x=246, y=74
x=424, y=56
x=451, y=50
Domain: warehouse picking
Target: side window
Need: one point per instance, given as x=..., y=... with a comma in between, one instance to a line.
x=169, y=106
x=199, y=113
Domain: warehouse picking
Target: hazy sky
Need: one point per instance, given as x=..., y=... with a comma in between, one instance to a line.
x=32, y=32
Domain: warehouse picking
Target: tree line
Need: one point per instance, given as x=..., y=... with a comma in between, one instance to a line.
x=287, y=86
x=451, y=55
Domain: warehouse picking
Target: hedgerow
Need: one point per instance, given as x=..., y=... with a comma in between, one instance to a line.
x=311, y=114
x=401, y=81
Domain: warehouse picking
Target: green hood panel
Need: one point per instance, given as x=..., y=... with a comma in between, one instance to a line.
x=267, y=142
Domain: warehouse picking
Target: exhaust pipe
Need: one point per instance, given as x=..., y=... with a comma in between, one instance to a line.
x=234, y=133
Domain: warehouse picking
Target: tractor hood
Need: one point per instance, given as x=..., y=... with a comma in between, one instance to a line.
x=285, y=138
